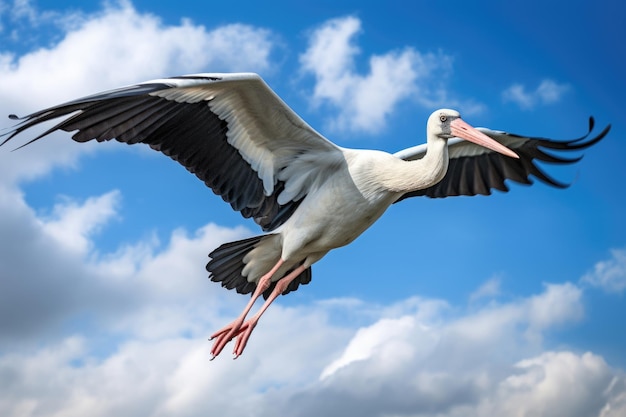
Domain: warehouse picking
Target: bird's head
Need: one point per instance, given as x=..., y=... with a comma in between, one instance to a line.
x=447, y=123
x=439, y=123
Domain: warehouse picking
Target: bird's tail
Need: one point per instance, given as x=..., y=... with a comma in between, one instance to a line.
x=226, y=267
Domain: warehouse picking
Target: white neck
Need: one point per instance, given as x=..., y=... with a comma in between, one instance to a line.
x=407, y=176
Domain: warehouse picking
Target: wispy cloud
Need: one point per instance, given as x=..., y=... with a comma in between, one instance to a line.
x=24, y=16
x=23, y=9
x=547, y=92
x=610, y=274
x=489, y=289
x=363, y=102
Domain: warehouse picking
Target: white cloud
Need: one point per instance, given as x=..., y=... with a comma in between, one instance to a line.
x=370, y=341
x=71, y=223
x=556, y=384
x=558, y=304
x=489, y=289
x=16, y=10
x=23, y=9
x=547, y=92
x=610, y=274
x=364, y=102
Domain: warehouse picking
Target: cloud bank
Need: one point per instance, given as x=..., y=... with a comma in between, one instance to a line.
x=124, y=333
x=144, y=350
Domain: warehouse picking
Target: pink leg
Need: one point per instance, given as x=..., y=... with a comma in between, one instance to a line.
x=246, y=329
x=226, y=333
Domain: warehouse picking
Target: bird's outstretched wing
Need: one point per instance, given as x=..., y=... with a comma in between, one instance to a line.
x=476, y=170
x=230, y=130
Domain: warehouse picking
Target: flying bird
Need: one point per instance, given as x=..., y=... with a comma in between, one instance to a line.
x=306, y=193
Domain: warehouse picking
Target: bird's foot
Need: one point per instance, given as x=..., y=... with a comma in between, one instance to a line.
x=241, y=331
x=243, y=335
x=225, y=335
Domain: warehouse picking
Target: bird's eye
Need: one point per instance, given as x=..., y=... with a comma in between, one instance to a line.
x=443, y=118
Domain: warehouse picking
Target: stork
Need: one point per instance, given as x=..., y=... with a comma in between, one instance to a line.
x=307, y=194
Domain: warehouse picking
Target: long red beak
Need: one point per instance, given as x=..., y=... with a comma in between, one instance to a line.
x=462, y=130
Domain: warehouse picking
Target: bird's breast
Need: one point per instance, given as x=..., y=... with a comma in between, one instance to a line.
x=332, y=216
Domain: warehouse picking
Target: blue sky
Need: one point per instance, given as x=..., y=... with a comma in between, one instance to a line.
x=473, y=306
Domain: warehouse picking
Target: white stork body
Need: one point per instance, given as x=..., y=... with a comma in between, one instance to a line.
x=338, y=208
x=310, y=195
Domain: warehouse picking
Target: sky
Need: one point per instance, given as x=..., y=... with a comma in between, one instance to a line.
x=511, y=304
